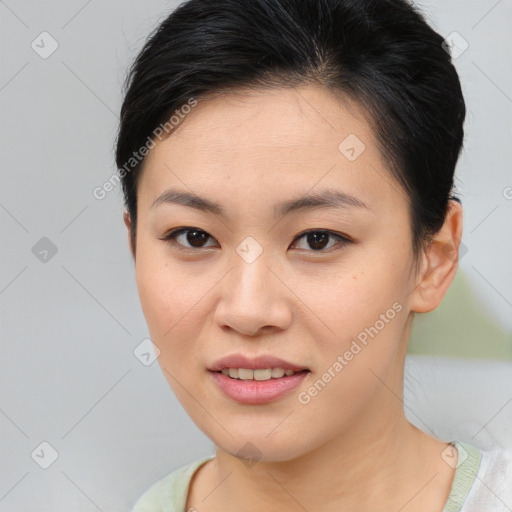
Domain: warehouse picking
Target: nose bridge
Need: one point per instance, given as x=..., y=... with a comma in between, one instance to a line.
x=251, y=278
x=252, y=296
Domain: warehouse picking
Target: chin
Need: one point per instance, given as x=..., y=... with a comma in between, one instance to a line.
x=252, y=447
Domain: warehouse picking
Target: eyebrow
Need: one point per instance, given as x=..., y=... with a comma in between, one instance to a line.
x=328, y=198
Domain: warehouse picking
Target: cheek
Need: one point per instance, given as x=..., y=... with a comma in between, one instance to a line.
x=155, y=297
x=349, y=301
x=169, y=314
x=165, y=293
x=355, y=359
x=364, y=312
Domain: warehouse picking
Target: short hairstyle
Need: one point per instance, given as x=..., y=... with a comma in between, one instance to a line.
x=380, y=53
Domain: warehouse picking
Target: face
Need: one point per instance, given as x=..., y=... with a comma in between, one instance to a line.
x=324, y=287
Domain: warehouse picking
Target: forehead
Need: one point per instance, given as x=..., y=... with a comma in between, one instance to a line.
x=274, y=117
x=272, y=139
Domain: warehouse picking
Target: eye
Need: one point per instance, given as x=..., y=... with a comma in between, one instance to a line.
x=194, y=238
x=318, y=239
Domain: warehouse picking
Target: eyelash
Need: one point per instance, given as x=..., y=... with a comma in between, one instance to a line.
x=171, y=236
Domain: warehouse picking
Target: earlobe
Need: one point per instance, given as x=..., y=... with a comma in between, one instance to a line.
x=440, y=262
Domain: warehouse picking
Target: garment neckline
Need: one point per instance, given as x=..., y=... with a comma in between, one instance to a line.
x=468, y=464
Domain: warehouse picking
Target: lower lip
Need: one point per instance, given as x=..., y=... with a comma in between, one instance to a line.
x=257, y=391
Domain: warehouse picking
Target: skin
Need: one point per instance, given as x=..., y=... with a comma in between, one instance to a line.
x=351, y=447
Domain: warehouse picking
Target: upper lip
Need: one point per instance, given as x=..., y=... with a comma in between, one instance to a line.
x=256, y=363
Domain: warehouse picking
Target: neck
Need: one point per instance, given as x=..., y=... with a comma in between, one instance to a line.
x=382, y=462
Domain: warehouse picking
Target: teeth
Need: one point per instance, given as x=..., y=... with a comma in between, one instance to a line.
x=265, y=374
x=260, y=374
x=245, y=373
x=277, y=373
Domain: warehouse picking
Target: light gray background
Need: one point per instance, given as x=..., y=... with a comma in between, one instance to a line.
x=69, y=326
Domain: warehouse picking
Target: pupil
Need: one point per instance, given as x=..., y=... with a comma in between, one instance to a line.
x=314, y=242
x=194, y=238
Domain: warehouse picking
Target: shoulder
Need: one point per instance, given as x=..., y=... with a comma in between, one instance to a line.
x=497, y=465
x=492, y=487
x=170, y=492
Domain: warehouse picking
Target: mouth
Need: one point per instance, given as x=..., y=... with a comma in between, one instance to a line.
x=256, y=380
x=252, y=387
x=260, y=374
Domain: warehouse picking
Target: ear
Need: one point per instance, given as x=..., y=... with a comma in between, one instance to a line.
x=440, y=262
x=128, y=223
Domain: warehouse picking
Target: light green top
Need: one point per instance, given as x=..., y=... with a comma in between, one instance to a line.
x=464, y=477
x=170, y=493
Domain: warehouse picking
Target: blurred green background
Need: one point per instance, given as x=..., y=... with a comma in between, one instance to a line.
x=460, y=327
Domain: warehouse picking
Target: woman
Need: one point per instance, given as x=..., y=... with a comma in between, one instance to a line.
x=288, y=171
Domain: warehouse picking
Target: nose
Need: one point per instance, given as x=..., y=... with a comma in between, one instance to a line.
x=253, y=299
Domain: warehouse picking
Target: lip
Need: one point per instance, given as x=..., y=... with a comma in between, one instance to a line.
x=257, y=363
x=257, y=391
